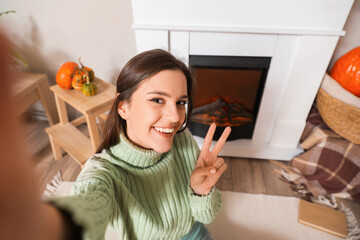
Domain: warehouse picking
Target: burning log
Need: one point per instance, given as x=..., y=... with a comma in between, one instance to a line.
x=222, y=113
x=218, y=103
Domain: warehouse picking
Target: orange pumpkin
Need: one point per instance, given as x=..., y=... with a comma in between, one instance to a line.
x=65, y=73
x=346, y=71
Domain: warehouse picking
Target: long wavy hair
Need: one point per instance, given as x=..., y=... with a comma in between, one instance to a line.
x=139, y=68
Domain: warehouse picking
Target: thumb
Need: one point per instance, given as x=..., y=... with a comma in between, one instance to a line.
x=201, y=172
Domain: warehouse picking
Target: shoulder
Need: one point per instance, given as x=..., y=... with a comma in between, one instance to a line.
x=98, y=161
x=98, y=167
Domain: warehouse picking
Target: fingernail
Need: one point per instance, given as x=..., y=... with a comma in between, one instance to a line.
x=212, y=170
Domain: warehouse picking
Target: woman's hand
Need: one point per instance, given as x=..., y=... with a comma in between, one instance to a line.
x=209, y=166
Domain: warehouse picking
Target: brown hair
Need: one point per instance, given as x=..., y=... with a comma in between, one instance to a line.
x=139, y=68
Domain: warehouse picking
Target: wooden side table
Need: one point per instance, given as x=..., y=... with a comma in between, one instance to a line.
x=65, y=135
x=31, y=87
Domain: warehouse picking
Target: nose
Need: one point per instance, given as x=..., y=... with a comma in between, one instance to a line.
x=172, y=113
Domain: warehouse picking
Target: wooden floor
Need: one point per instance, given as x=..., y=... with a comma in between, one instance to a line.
x=243, y=175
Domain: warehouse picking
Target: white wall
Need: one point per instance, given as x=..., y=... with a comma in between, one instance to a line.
x=352, y=38
x=48, y=33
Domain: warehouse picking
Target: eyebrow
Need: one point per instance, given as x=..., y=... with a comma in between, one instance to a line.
x=165, y=94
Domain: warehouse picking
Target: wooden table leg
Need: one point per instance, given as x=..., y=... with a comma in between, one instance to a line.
x=93, y=130
x=55, y=149
x=47, y=101
x=61, y=108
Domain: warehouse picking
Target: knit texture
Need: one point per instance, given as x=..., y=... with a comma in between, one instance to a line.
x=141, y=194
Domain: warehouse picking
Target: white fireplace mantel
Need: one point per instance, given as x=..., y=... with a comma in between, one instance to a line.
x=299, y=35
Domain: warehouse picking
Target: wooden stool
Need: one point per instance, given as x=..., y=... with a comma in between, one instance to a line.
x=31, y=87
x=65, y=135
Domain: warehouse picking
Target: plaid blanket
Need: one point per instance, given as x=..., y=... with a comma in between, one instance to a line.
x=330, y=163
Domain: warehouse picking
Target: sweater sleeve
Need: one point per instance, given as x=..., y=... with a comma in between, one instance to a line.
x=205, y=208
x=89, y=205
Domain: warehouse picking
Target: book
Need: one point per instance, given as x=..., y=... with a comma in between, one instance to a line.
x=323, y=218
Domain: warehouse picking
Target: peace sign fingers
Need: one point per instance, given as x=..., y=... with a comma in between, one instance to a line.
x=206, y=156
x=209, y=167
x=220, y=143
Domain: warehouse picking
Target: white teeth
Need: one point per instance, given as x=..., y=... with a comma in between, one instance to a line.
x=164, y=130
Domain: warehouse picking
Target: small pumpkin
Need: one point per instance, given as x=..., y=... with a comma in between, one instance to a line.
x=90, y=71
x=81, y=71
x=79, y=76
x=346, y=71
x=65, y=73
x=76, y=85
x=88, y=88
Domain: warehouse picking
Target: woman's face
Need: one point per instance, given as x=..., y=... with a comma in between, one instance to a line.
x=156, y=110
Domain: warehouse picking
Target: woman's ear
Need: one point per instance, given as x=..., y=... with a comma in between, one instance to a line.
x=123, y=109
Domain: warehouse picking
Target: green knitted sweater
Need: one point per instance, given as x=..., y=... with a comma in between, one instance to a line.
x=141, y=194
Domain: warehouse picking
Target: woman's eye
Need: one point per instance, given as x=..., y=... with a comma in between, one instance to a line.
x=183, y=103
x=156, y=100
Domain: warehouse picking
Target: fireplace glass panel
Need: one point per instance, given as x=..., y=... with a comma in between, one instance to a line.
x=228, y=92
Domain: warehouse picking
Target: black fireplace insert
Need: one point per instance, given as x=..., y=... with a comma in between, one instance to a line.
x=228, y=92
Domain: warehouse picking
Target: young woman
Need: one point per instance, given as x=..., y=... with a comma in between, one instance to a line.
x=149, y=179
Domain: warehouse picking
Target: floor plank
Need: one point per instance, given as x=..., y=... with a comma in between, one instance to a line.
x=48, y=168
x=273, y=184
x=225, y=182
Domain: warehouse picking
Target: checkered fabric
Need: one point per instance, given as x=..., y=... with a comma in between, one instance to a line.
x=330, y=163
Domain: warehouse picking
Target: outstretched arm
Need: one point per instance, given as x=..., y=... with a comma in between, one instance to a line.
x=22, y=214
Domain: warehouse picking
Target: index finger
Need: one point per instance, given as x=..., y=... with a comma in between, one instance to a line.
x=220, y=143
x=209, y=136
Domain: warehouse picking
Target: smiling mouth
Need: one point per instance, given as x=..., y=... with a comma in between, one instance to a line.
x=164, y=130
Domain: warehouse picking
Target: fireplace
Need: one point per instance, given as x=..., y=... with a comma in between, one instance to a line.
x=299, y=36
x=228, y=92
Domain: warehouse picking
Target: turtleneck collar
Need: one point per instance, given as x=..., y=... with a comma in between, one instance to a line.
x=128, y=152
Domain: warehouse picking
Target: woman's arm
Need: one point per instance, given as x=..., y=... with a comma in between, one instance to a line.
x=56, y=225
x=22, y=213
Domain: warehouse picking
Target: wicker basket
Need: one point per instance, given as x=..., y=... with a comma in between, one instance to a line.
x=339, y=109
